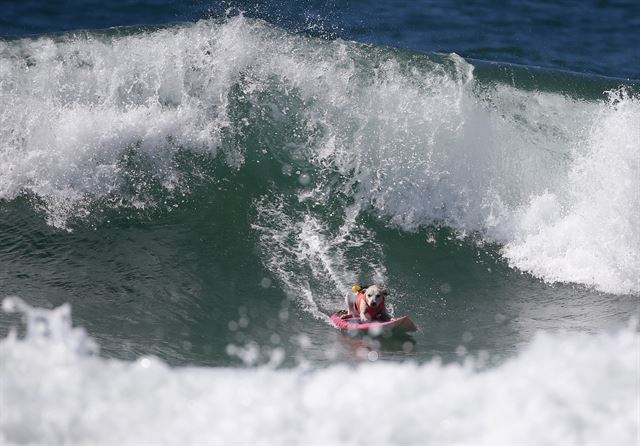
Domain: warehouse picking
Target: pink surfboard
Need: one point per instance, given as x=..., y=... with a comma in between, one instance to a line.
x=400, y=324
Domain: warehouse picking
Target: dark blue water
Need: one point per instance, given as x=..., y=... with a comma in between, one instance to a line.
x=594, y=37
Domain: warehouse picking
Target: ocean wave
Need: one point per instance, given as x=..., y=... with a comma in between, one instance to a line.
x=414, y=139
x=561, y=389
x=586, y=232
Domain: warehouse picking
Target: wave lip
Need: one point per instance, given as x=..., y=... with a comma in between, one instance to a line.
x=561, y=389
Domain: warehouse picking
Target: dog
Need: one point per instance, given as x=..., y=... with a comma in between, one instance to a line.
x=367, y=304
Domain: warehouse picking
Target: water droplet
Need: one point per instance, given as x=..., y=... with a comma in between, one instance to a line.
x=231, y=349
x=304, y=179
x=483, y=357
x=304, y=341
x=9, y=305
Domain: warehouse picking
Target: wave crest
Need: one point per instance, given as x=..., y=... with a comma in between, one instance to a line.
x=415, y=139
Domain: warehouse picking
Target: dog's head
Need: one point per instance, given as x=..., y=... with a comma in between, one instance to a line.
x=374, y=295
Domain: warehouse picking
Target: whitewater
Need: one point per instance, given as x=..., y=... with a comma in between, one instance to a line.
x=561, y=389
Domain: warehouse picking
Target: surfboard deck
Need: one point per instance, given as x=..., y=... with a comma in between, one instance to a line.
x=402, y=324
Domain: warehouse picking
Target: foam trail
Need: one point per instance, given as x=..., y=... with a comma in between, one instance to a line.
x=561, y=389
x=297, y=244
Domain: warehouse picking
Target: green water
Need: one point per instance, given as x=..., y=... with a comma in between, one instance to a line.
x=228, y=182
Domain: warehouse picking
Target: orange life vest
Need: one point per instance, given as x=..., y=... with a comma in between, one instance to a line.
x=373, y=313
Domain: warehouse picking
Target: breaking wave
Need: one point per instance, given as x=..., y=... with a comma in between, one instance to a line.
x=329, y=131
x=561, y=389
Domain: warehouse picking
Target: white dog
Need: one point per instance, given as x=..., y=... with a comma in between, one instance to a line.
x=367, y=304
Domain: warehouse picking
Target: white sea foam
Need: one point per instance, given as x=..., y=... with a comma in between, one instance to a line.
x=564, y=389
x=588, y=232
x=420, y=140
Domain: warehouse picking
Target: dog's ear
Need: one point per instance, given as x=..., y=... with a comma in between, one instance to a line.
x=384, y=292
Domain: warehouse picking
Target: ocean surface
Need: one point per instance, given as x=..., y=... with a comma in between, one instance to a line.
x=189, y=189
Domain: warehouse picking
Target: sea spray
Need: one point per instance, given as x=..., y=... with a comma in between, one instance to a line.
x=587, y=231
x=102, y=119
